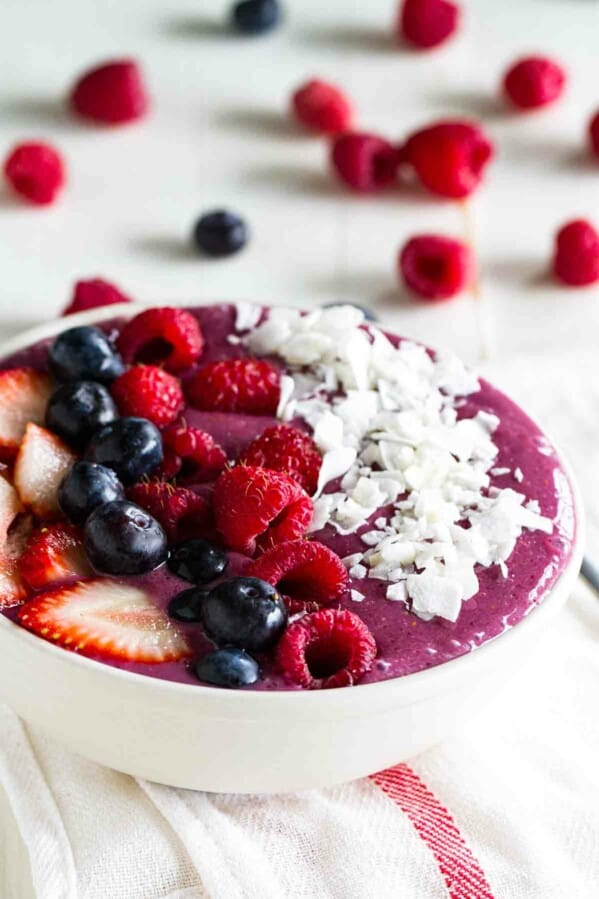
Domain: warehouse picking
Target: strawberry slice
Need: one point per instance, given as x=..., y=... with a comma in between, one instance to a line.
x=106, y=619
x=42, y=462
x=53, y=554
x=24, y=395
x=10, y=507
x=12, y=588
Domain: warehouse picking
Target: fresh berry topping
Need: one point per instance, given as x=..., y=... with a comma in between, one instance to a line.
x=122, y=538
x=533, y=82
x=191, y=455
x=53, y=554
x=449, y=157
x=197, y=561
x=322, y=107
x=106, y=619
x=24, y=394
x=42, y=462
x=94, y=293
x=130, y=446
x=244, y=612
x=186, y=606
x=250, y=386
x=436, y=267
x=84, y=354
x=181, y=512
x=149, y=392
x=10, y=508
x=285, y=448
x=369, y=314
x=220, y=233
x=12, y=588
x=86, y=486
x=365, y=162
x=77, y=409
x=427, y=23
x=302, y=570
x=259, y=507
x=163, y=336
x=594, y=134
x=113, y=93
x=330, y=648
x=36, y=172
x=228, y=668
x=576, y=257
x=256, y=16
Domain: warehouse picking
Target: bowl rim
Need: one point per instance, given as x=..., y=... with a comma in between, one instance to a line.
x=438, y=678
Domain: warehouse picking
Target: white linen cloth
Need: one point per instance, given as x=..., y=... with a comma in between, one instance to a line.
x=521, y=781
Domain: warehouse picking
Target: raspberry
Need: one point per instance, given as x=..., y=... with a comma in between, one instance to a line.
x=329, y=648
x=576, y=258
x=302, y=570
x=94, y=293
x=181, y=512
x=113, y=93
x=236, y=385
x=533, y=82
x=427, y=23
x=285, y=448
x=147, y=391
x=364, y=161
x=436, y=267
x=194, y=454
x=36, y=172
x=594, y=134
x=163, y=336
x=449, y=157
x=322, y=107
x=256, y=507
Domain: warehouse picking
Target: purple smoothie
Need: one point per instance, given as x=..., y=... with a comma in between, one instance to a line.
x=406, y=643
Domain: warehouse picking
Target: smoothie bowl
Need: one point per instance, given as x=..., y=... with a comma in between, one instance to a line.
x=249, y=549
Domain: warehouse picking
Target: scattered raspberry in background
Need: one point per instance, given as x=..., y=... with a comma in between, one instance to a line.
x=436, y=267
x=427, y=23
x=259, y=507
x=285, y=448
x=449, y=157
x=329, y=648
x=181, y=512
x=149, y=392
x=92, y=294
x=365, y=162
x=322, y=107
x=113, y=93
x=533, y=82
x=36, y=172
x=594, y=134
x=236, y=385
x=192, y=454
x=163, y=336
x=576, y=256
x=302, y=570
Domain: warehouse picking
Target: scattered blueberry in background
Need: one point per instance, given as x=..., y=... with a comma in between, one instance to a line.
x=122, y=538
x=228, y=668
x=77, y=409
x=256, y=16
x=84, y=354
x=87, y=486
x=197, y=560
x=245, y=612
x=187, y=605
x=131, y=446
x=220, y=233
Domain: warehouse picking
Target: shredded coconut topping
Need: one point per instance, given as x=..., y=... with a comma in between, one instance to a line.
x=385, y=419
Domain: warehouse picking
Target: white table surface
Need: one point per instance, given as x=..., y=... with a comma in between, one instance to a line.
x=218, y=135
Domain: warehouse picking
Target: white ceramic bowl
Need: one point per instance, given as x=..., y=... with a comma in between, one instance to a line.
x=219, y=740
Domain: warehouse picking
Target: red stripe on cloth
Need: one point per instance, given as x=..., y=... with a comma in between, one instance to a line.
x=433, y=823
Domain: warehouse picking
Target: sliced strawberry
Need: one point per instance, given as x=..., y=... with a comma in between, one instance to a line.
x=24, y=394
x=107, y=619
x=10, y=507
x=53, y=554
x=12, y=588
x=42, y=462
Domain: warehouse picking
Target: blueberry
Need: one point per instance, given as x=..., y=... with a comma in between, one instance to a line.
x=256, y=16
x=122, y=538
x=131, y=446
x=369, y=315
x=76, y=410
x=84, y=354
x=86, y=486
x=197, y=561
x=228, y=668
x=245, y=612
x=220, y=233
x=186, y=606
